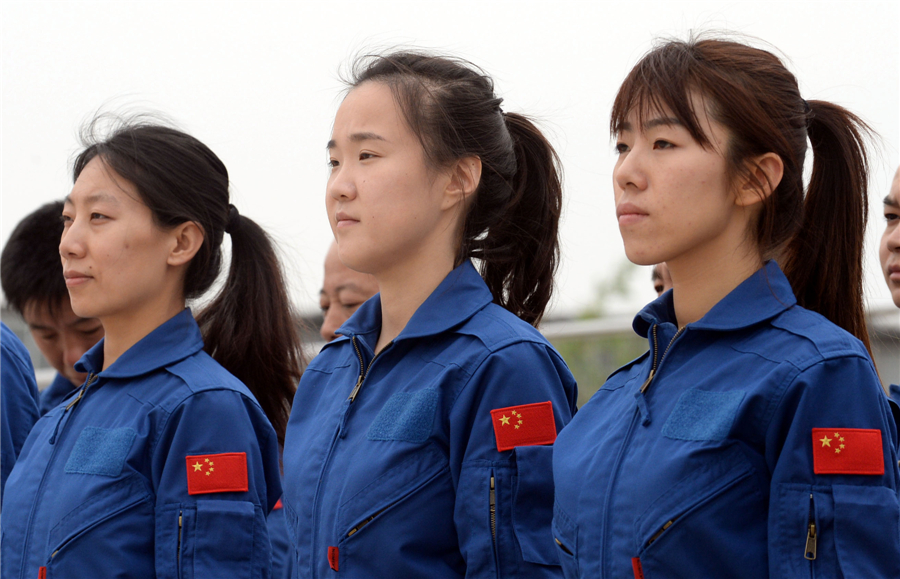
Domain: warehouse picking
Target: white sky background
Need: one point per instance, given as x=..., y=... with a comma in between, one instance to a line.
x=258, y=83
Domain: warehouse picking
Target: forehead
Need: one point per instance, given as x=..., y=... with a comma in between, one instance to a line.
x=370, y=108
x=40, y=313
x=98, y=182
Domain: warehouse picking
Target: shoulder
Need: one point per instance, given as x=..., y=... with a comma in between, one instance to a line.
x=805, y=338
x=497, y=328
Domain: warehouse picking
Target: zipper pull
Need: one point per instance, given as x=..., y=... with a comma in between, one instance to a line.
x=91, y=379
x=811, y=531
x=643, y=409
x=648, y=380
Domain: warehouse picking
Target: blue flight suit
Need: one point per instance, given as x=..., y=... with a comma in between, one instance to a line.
x=406, y=480
x=19, y=400
x=282, y=550
x=102, y=484
x=710, y=471
x=56, y=392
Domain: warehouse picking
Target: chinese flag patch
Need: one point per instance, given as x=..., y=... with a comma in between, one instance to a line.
x=847, y=451
x=217, y=473
x=524, y=425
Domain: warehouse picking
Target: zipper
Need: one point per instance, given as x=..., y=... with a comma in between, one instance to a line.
x=811, y=538
x=563, y=547
x=660, y=531
x=653, y=368
x=178, y=549
x=364, y=370
x=90, y=380
x=368, y=520
x=493, y=506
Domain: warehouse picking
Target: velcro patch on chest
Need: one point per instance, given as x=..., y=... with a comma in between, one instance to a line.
x=100, y=451
x=702, y=415
x=406, y=416
x=526, y=425
x=847, y=451
x=217, y=473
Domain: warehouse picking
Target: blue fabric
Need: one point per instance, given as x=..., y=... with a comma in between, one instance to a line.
x=406, y=416
x=161, y=401
x=100, y=451
x=894, y=392
x=732, y=493
x=56, y=392
x=702, y=415
x=19, y=400
x=408, y=464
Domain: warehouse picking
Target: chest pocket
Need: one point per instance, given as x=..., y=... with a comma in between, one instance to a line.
x=699, y=524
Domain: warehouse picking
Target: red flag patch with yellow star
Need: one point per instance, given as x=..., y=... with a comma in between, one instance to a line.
x=524, y=425
x=847, y=451
x=217, y=473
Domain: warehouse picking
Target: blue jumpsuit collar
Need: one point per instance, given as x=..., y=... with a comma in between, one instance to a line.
x=760, y=297
x=459, y=296
x=171, y=342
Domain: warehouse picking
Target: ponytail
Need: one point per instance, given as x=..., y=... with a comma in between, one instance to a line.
x=520, y=253
x=249, y=327
x=511, y=226
x=824, y=259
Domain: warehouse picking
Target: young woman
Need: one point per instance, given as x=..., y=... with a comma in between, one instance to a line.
x=753, y=439
x=418, y=444
x=163, y=464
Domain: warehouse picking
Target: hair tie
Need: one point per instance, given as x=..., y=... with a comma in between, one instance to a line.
x=234, y=220
x=806, y=108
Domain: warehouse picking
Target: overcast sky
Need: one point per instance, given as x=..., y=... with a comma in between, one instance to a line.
x=258, y=83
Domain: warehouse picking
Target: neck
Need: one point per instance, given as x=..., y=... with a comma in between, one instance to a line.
x=125, y=329
x=405, y=287
x=701, y=279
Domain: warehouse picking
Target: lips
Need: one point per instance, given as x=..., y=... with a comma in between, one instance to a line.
x=893, y=273
x=344, y=220
x=629, y=213
x=75, y=278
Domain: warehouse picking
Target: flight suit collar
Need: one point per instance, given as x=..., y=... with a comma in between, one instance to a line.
x=171, y=342
x=760, y=297
x=458, y=297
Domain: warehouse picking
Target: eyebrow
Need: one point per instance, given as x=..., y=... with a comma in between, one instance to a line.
x=94, y=198
x=358, y=137
x=891, y=201
x=653, y=123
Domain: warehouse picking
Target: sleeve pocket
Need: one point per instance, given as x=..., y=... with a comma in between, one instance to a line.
x=565, y=536
x=867, y=530
x=533, y=507
x=226, y=540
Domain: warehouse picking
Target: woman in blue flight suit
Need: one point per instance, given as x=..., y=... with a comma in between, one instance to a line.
x=754, y=438
x=163, y=464
x=418, y=441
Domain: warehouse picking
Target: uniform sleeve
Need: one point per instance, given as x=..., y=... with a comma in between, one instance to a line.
x=504, y=499
x=834, y=510
x=216, y=474
x=19, y=405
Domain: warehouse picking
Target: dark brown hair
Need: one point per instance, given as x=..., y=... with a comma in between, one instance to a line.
x=818, y=236
x=511, y=226
x=248, y=328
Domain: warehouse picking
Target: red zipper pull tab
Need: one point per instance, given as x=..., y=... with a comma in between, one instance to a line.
x=333, y=558
x=638, y=569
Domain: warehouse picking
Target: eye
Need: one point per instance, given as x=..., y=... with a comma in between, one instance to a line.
x=661, y=144
x=66, y=220
x=95, y=216
x=333, y=163
x=364, y=155
x=891, y=217
x=351, y=307
x=621, y=148
x=91, y=331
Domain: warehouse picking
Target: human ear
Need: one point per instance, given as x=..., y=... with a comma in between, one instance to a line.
x=465, y=176
x=763, y=175
x=188, y=238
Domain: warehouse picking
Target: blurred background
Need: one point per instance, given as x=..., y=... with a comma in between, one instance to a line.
x=259, y=82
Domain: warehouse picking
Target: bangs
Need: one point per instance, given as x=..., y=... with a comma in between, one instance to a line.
x=661, y=83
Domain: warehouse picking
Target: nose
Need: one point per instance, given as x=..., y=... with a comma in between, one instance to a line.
x=72, y=352
x=341, y=184
x=629, y=171
x=71, y=244
x=330, y=324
